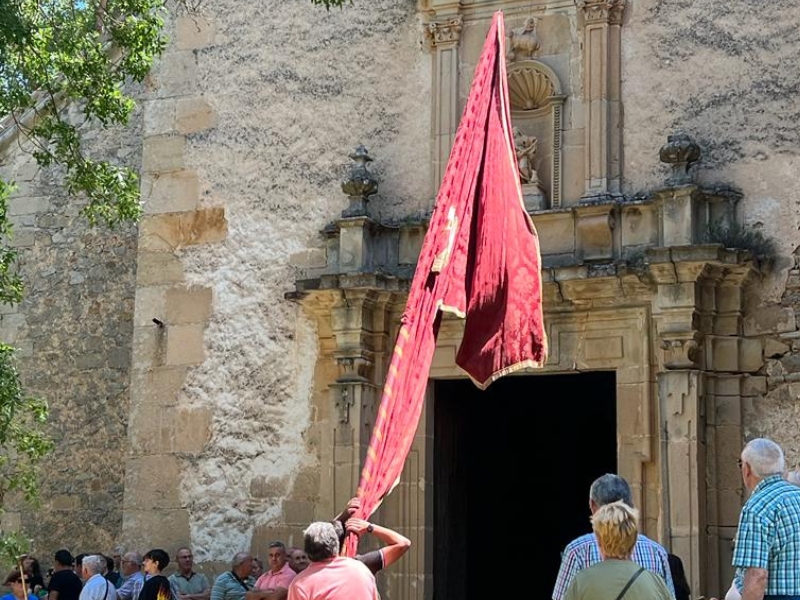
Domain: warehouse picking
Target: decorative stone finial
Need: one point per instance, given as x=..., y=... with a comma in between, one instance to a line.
x=681, y=152
x=360, y=184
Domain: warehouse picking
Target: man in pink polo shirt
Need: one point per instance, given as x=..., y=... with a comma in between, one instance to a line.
x=277, y=579
x=329, y=576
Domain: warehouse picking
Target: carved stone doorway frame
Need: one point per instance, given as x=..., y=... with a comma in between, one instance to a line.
x=672, y=333
x=599, y=340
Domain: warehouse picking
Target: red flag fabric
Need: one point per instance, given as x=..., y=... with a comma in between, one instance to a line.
x=480, y=260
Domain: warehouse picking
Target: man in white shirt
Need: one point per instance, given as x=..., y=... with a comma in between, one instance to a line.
x=96, y=587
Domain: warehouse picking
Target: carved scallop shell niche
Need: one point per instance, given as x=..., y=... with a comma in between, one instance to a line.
x=536, y=103
x=529, y=87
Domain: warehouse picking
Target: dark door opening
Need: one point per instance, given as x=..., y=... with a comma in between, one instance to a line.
x=512, y=470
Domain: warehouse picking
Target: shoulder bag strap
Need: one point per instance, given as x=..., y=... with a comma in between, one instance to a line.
x=105, y=596
x=630, y=582
x=241, y=582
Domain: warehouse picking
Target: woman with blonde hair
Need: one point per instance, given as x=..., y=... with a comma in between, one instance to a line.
x=616, y=527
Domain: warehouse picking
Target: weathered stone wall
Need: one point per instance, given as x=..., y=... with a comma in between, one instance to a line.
x=719, y=71
x=242, y=140
x=777, y=413
x=73, y=330
x=249, y=118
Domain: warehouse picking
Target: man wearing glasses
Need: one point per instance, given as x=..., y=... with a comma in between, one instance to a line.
x=190, y=585
x=131, y=567
x=767, y=547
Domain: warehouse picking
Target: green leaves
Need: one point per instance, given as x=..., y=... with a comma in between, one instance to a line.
x=22, y=434
x=10, y=280
x=78, y=53
x=12, y=547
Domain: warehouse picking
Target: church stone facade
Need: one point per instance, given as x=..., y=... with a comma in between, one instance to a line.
x=213, y=371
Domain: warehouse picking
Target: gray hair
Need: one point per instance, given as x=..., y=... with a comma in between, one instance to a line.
x=239, y=558
x=320, y=541
x=610, y=488
x=93, y=563
x=764, y=456
x=134, y=557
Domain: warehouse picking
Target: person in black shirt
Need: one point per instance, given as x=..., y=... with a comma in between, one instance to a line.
x=682, y=589
x=157, y=587
x=110, y=574
x=64, y=584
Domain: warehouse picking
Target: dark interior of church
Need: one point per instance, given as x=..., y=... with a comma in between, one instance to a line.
x=512, y=470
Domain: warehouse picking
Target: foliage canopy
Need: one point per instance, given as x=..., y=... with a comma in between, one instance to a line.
x=78, y=53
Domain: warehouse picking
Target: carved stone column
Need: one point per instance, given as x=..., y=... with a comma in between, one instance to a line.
x=356, y=314
x=732, y=381
x=681, y=394
x=602, y=98
x=443, y=36
x=353, y=395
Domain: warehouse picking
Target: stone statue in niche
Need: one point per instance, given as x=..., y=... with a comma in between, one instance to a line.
x=533, y=194
x=523, y=42
x=526, y=156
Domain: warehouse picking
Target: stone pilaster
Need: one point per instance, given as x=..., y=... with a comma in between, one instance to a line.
x=680, y=381
x=443, y=35
x=681, y=395
x=703, y=369
x=358, y=326
x=170, y=315
x=732, y=381
x=679, y=213
x=602, y=97
x=355, y=237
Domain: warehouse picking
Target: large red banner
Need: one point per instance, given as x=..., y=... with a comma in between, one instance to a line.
x=479, y=260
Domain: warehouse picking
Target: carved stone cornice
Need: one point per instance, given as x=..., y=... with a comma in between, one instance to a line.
x=602, y=11
x=440, y=33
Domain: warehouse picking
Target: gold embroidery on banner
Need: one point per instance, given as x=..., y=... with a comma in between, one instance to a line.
x=452, y=224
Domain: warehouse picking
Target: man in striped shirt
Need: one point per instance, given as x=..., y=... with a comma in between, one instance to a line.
x=583, y=552
x=768, y=540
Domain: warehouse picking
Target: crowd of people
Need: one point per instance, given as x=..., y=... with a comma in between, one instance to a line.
x=616, y=561
x=290, y=573
x=612, y=562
